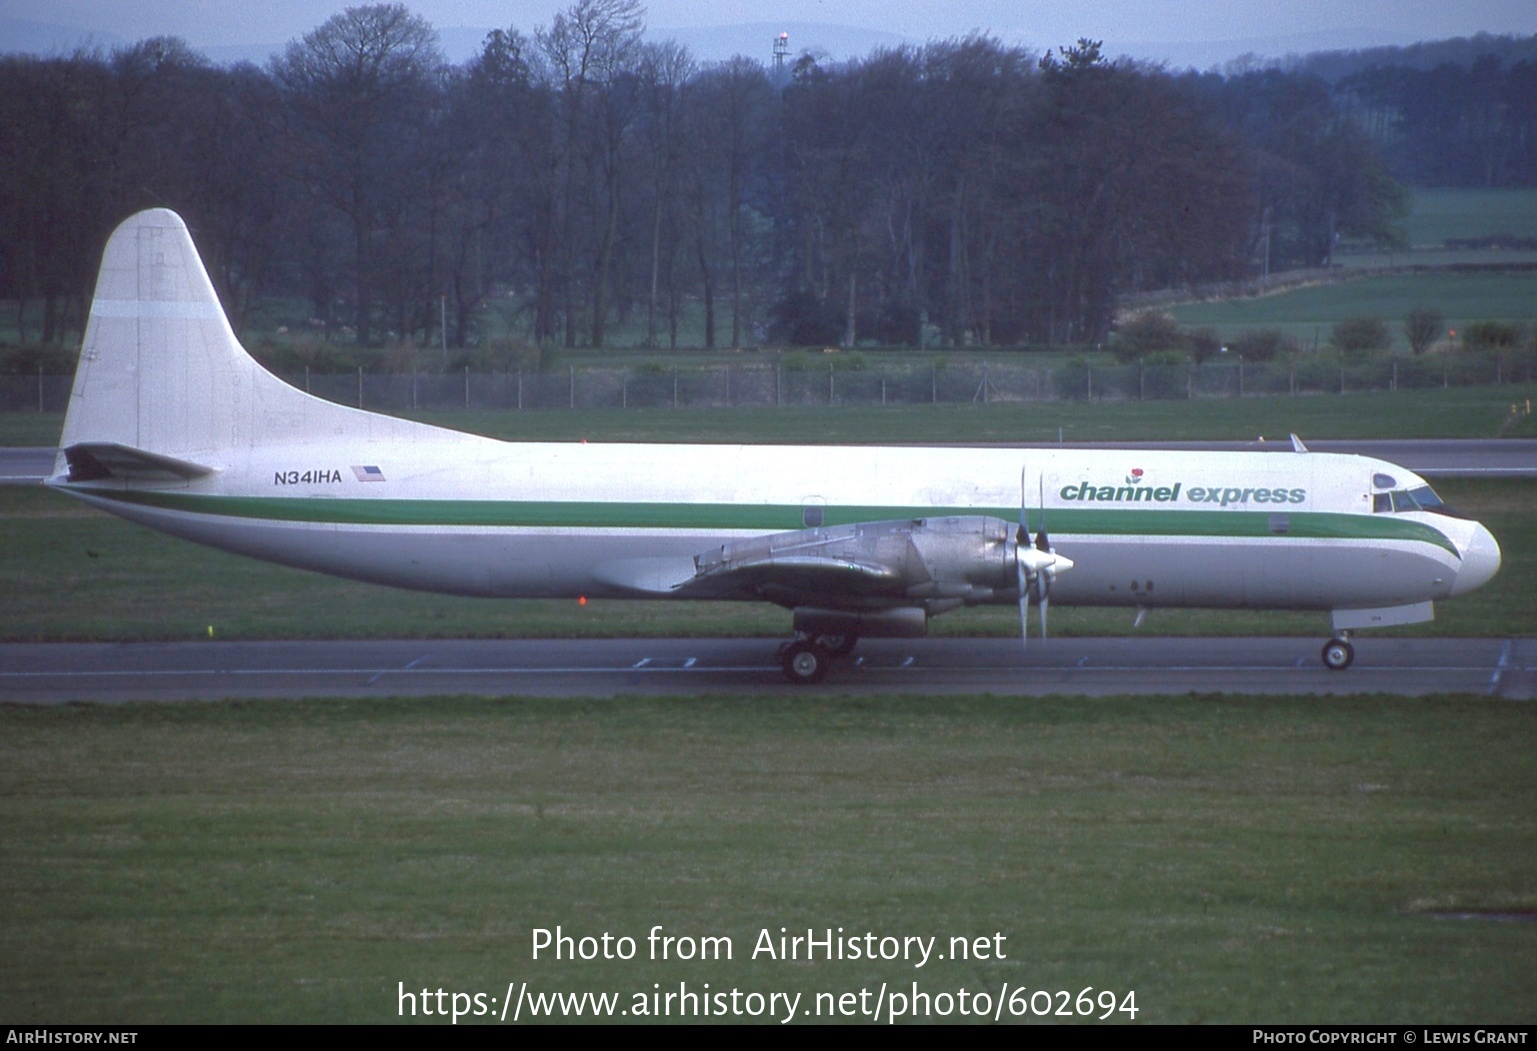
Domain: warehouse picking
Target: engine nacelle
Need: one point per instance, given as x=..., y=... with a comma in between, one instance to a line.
x=926, y=564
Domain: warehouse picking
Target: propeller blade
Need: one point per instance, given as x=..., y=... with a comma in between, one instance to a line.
x=1024, y=605
x=1042, y=542
x=1045, y=605
x=1024, y=515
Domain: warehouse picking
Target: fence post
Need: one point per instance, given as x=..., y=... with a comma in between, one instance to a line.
x=360, y=386
x=1141, y=382
x=883, y=391
x=776, y=384
x=466, y=387
x=520, y=387
x=1394, y=384
x=675, y=386
x=413, y=388
x=829, y=384
x=1291, y=376
x=933, y=384
x=571, y=387
x=624, y=388
x=1088, y=382
x=39, y=388
x=1240, y=377
x=1342, y=377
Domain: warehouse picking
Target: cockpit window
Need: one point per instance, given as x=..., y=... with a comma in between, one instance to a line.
x=1421, y=498
x=1383, y=481
x=1426, y=497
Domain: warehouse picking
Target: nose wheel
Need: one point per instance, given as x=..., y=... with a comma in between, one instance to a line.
x=1338, y=654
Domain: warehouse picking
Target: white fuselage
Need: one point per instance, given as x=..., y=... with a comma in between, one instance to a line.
x=479, y=517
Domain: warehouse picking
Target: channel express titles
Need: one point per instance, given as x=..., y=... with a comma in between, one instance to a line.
x=1137, y=490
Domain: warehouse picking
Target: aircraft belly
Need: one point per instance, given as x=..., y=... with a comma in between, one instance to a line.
x=1236, y=573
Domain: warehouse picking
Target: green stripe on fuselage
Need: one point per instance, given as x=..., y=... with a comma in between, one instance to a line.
x=587, y=514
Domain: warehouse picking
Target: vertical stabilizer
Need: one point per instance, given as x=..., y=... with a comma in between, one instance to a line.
x=161, y=370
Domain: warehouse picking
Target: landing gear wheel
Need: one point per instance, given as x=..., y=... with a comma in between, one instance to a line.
x=805, y=663
x=838, y=645
x=1338, y=654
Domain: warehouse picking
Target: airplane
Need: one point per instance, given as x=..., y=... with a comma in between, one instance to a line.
x=171, y=424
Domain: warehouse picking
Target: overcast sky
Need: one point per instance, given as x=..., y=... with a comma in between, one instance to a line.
x=1125, y=25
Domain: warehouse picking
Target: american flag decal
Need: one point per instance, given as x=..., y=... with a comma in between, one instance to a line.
x=368, y=474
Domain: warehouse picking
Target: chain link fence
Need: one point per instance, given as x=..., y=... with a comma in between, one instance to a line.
x=767, y=386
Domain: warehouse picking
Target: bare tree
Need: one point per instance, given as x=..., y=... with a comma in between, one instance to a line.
x=586, y=49
x=358, y=89
x=1422, y=327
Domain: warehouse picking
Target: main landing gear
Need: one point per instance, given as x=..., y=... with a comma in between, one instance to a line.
x=1338, y=653
x=805, y=661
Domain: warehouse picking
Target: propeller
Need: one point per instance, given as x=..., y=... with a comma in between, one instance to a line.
x=1035, y=564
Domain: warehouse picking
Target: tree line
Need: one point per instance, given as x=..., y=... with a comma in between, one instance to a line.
x=962, y=193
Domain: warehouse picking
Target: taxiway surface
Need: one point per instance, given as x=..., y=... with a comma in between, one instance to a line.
x=56, y=673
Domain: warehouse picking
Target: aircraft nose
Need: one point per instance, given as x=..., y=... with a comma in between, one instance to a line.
x=1480, y=561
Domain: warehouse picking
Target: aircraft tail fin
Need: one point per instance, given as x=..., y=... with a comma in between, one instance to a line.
x=161, y=371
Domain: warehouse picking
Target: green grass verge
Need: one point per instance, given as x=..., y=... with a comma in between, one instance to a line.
x=1436, y=215
x=1460, y=412
x=70, y=573
x=1229, y=860
x=1308, y=313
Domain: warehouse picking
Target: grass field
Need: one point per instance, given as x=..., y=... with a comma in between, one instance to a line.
x=1307, y=314
x=1436, y=215
x=1323, y=860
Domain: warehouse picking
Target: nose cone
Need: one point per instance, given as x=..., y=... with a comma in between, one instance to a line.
x=1480, y=561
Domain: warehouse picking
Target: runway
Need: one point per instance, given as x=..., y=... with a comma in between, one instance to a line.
x=58, y=673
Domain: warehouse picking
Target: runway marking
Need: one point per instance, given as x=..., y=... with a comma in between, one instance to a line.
x=390, y=671
x=1499, y=668
x=641, y=663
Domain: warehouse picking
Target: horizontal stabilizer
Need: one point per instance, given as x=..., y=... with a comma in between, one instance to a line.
x=100, y=461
